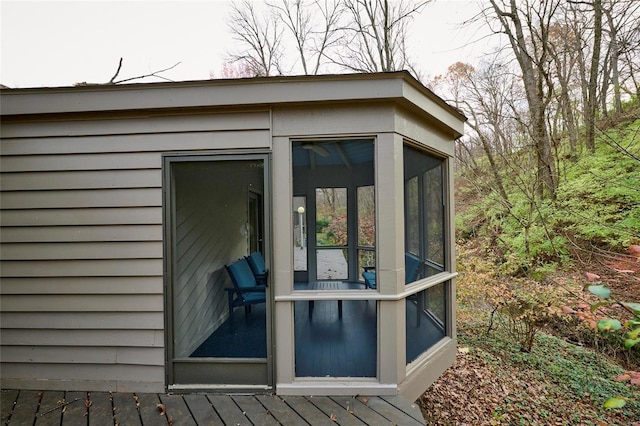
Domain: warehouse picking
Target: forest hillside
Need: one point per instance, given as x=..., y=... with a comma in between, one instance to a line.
x=540, y=341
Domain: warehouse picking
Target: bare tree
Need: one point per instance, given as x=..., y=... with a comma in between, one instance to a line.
x=526, y=25
x=314, y=28
x=260, y=36
x=622, y=17
x=353, y=35
x=376, y=34
x=564, y=52
x=592, y=85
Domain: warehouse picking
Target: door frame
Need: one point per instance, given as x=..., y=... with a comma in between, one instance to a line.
x=217, y=366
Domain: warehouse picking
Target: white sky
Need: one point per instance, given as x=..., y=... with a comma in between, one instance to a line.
x=56, y=43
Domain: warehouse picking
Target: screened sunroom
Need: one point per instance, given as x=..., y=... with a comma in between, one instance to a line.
x=290, y=235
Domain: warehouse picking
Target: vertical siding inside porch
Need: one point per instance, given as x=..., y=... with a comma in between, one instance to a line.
x=82, y=245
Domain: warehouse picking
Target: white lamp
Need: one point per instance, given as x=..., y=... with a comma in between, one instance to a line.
x=301, y=212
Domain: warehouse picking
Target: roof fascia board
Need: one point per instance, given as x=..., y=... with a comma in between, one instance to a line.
x=240, y=93
x=445, y=114
x=236, y=93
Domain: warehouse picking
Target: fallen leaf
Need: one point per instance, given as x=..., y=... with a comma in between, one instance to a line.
x=623, y=377
x=592, y=276
x=162, y=408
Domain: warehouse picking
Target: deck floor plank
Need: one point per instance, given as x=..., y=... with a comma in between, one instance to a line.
x=50, y=411
x=391, y=413
x=335, y=411
x=25, y=409
x=125, y=410
x=100, y=409
x=253, y=409
x=59, y=408
x=75, y=411
x=7, y=402
x=228, y=410
x=202, y=410
x=280, y=410
x=406, y=406
x=149, y=411
x=177, y=411
x=361, y=411
x=309, y=412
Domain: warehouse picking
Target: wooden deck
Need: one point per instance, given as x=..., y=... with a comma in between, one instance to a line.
x=23, y=407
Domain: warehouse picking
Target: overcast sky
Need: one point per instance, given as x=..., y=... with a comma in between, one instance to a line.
x=56, y=43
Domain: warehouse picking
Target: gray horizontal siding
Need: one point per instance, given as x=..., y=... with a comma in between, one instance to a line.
x=119, y=161
x=82, y=372
x=82, y=250
x=66, y=180
x=82, y=198
x=82, y=285
x=82, y=268
x=88, y=320
x=83, y=216
x=220, y=123
x=82, y=244
x=135, y=143
x=70, y=233
x=82, y=303
x=80, y=338
x=86, y=355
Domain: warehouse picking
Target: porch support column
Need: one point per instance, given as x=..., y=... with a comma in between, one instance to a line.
x=282, y=274
x=390, y=256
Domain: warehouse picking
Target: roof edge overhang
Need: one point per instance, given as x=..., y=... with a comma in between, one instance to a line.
x=397, y=86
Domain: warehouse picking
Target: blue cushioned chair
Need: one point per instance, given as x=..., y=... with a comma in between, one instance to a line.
x=245, y=291
x=411, y=271
x=258, y=267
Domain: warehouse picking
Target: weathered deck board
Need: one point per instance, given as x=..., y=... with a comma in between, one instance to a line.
x=50, y=411
x=177, y=411
x=390, y=412
x=75, y=409
x=7, y=401
x=405, y=406
x=228, y=410
x=24, y=407
x=360, y=410
x=125, y=411
x=280, y=410
x=202, y=410
x=150, y=413
x=253, y=409
x=335, y=411
x=312, y=414
x=100, y=409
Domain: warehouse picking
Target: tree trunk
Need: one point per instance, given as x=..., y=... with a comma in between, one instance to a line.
x=590, y=116
x=614, y=57
x=533, y=78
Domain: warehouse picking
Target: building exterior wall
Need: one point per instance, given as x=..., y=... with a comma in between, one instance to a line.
x=81, y=205
x=82, y=269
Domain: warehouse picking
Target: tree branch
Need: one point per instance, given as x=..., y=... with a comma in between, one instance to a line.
x=153, y=74
x=117, y=72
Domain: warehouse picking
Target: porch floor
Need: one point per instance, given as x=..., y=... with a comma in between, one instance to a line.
x=26, y=407
x=327, y=345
